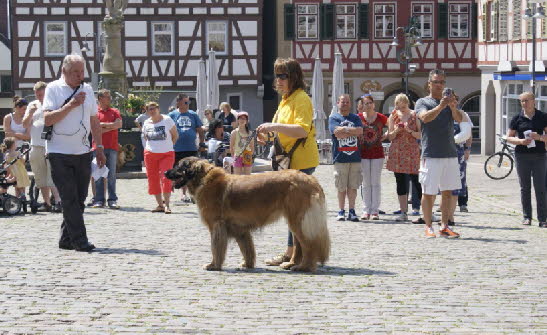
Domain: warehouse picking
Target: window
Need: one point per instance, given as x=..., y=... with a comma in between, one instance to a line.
x=307, y=18
x=235, y=101
x=517, y=19
x=56, y=38
x=424, y=14
x=345, y=21
x=510, y=105
x=384, y=21
x=5, y=83
x=162, y=38
x=502, y=21
x=216, y=36
x=459, y=20
x=541, y=99
x=494, y=14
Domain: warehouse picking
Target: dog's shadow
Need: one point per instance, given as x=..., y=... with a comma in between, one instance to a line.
x=321, y=271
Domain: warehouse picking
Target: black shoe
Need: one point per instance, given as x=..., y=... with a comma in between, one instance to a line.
x=65, y=246
x=543, y=225
x=84, y=247
x=381, y=212
x=419, y=221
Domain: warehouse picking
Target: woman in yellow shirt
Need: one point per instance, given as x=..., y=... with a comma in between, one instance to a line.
x=293, y=120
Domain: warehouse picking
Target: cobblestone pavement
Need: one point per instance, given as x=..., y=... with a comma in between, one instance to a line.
x=382, y=277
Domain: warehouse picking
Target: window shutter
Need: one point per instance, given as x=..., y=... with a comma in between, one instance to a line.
x=474, y=21
x=363, y=21
x=327, y=21
x=289, y=22
x=442, y=20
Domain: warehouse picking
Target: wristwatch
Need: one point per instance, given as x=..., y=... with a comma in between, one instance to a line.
x=100, y=146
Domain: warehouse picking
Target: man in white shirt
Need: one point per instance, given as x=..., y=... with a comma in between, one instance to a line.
x=34, y=118
x=68, y=149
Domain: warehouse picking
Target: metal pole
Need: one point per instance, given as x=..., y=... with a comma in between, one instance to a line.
x=534, y=55
x=407, y=61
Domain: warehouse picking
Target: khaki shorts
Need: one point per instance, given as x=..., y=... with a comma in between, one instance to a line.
x=347, y=176
x=40, y=167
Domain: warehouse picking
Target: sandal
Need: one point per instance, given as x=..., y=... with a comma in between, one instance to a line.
x=167, y=210
x=158, y=209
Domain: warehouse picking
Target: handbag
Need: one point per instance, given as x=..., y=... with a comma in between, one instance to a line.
x=281, y=160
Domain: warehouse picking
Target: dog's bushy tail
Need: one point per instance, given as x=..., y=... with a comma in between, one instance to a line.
x=314, y=227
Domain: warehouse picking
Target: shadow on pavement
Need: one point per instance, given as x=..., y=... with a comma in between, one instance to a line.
x=322, y=270
x=134, y=209
x=121, y=251
x=488, y=227
x=493, y=240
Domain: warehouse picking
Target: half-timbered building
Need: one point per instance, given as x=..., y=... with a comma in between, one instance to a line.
x=6, y=90
x=363, y=31
x=162, y=43
x=505, y=48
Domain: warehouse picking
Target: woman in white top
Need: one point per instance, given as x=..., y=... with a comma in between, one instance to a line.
x=13, y=122
x=160, y=134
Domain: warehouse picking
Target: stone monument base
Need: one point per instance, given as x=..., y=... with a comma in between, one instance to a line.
x=115, y=82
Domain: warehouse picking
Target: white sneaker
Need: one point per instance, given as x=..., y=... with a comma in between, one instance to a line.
x=435, y=218
x=402, y=217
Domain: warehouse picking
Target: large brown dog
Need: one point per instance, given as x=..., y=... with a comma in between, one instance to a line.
x=234, y=206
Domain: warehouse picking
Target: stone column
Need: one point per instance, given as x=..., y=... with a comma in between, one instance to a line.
x=113, y=74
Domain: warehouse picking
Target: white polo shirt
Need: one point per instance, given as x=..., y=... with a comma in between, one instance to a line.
x=71, y=134
x=37, y=124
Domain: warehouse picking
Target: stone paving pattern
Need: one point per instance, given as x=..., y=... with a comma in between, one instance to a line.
x=383, y=277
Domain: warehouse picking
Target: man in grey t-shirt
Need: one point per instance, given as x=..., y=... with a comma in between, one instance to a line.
x=439, y=168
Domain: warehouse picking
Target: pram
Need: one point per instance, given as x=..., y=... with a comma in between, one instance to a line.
x=217, y=151
x=10, y=204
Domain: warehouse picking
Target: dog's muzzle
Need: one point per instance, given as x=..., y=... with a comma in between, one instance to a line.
x=177, y=177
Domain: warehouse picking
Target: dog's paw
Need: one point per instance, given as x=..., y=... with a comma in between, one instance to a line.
x=243, y=266
x=301, y=268
x=211, y=267
x=286, y=265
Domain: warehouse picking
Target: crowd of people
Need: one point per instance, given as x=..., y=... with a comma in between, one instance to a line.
x=428, y=150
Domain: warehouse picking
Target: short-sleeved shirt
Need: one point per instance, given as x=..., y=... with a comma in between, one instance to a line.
x=70, y=135
x=371, y=145
x=110, y=138
x=157, y=136
x=141, y=118
x=187, y=124
x=227, y=121
x=297, y=109
x=438, y=134
x=521, y=123
x=345, y=150
x=37, y=125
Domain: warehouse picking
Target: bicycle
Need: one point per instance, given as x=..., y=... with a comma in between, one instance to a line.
x=500, y=164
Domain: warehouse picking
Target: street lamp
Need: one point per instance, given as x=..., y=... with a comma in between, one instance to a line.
x=412, y=39
x=97, y=51
x=535, y=12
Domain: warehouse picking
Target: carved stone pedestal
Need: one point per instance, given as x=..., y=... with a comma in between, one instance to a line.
x=115, y=82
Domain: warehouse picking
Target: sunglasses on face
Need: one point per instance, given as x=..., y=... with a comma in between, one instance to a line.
x=282, y=76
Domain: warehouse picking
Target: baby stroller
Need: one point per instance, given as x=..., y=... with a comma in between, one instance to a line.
x=10, y=204
x=217, y=151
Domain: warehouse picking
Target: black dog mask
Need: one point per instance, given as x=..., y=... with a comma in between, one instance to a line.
x=183, y=172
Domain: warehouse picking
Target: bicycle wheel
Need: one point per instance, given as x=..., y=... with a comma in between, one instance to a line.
x=498, y=165
x=12, y=205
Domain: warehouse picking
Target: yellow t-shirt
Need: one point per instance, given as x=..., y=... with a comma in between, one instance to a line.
x=297, y=109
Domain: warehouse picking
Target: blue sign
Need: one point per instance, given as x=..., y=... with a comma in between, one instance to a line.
x=518, y=76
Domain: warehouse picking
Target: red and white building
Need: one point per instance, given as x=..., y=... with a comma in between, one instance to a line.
x=363, y=30
x=505, y=55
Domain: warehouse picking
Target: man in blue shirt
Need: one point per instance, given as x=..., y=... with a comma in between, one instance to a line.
x=345, y=128
x=188, y=126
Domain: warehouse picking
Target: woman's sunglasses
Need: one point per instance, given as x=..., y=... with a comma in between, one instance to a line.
x=282, y=76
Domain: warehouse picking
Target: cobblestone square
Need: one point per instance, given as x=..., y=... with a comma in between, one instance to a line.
x=382, y=277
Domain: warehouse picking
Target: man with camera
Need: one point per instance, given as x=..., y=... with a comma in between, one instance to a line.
x=439, y=168
x=70, y=112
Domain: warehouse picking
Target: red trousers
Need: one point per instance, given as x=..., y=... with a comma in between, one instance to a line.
x=156, y=165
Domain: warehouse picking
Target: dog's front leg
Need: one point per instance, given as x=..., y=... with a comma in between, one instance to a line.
x=246, y=245
x=219, y=244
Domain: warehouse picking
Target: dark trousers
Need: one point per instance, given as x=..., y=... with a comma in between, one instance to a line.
x=71, y=175
x=532, y=166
